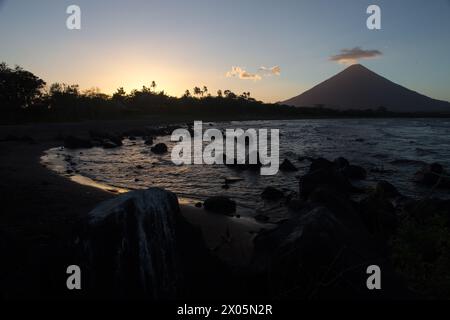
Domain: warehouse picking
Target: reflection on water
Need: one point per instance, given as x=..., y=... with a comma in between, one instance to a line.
x=384, y=147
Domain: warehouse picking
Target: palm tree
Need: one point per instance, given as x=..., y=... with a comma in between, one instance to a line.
x=187, y=93
x=153, y=85
x=219, y=93
x=197, y=91
x=205, y=90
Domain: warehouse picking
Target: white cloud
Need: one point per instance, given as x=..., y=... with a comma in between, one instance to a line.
x=275, y=70
x=245, y=75
x=242, y=74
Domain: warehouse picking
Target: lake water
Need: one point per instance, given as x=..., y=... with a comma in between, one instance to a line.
x=389, y=149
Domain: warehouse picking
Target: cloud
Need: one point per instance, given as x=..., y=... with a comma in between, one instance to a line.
x=276, y=70
x=351, y=56
x=245, y=75
x=242, y=74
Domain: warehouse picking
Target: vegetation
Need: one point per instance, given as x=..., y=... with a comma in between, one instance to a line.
x=421, y=248
x=25, y=97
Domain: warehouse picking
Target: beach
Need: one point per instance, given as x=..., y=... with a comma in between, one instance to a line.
x=42, y=212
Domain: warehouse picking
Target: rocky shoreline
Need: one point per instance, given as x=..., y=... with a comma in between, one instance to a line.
x=322, y=251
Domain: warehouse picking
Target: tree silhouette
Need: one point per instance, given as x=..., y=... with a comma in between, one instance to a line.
x=197, y=91
x=153, y=85
x=18, y=88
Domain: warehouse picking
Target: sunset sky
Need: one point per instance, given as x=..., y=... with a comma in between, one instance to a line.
x=180, y=44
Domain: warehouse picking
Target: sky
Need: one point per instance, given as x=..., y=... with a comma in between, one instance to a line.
x=272, y=49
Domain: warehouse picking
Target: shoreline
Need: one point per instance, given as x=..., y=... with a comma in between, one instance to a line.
x=43, y=210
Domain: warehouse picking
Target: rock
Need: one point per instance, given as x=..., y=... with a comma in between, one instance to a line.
x=73, y=142
x=341, y=163
x=102, y=136
x=312, y=249
x=355, y=172
x=271, y=193
x=386, y=189
x=378, y=215
x=287, y=166
x=324, y=177
x=148, y=141
x=130, y=244
x=220, y=204
x=198, y=204
x=159, y=148
x=320, y=163
x=232, y=179
x=339, y=202
x=432, y=175
x=108, y=144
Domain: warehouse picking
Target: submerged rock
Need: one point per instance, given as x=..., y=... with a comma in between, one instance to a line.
x=220, y=204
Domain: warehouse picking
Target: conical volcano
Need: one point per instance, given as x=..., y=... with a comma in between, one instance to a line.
x=360, y=88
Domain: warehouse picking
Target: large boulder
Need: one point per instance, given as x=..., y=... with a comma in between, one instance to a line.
x=319, y=255
x=130, y=245
x=220, y=204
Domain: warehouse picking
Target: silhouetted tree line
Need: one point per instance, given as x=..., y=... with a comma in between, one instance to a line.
x=26, y=97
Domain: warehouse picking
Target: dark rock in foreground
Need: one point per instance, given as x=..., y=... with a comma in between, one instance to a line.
x=130, y=243
x=219, y=204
